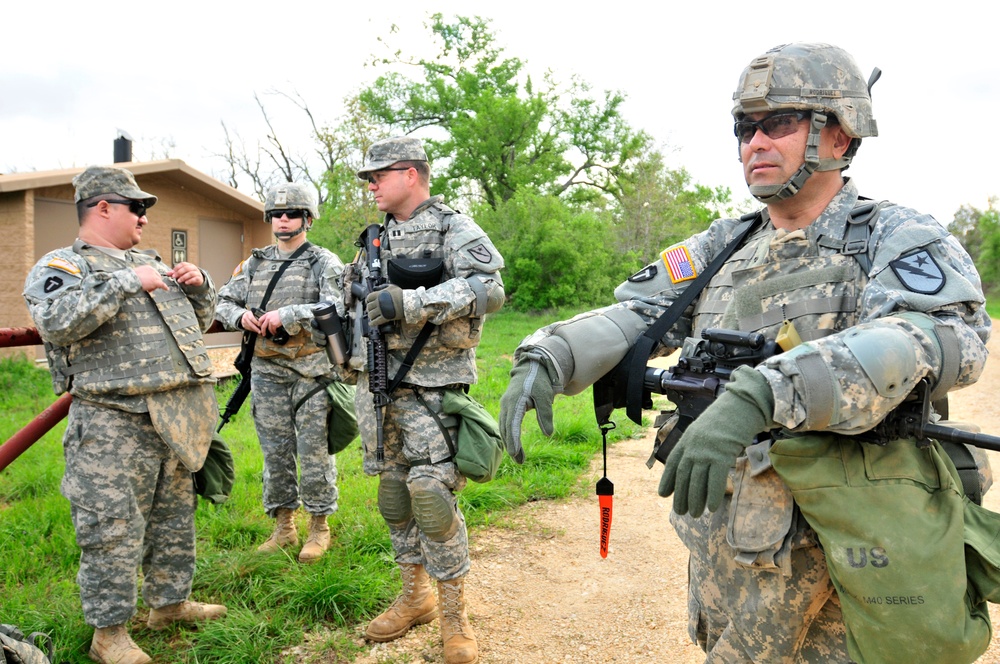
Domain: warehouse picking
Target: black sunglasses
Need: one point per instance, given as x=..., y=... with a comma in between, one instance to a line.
x=778, y=125
x=373, y=180
x=291, y=214
x=138, y=208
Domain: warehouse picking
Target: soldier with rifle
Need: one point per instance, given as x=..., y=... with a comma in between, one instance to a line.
x=418, y=294
x=271, y=297
x=861, y=302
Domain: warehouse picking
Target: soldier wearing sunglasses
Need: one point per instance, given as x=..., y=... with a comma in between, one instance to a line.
x=123, y=334
x=272, y=294
x=866, y=299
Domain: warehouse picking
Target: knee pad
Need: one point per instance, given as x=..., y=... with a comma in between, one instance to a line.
x=434, y=514
x=394, y=502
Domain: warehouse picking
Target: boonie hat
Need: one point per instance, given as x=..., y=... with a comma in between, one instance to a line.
x=97, y=180
x=388, y=151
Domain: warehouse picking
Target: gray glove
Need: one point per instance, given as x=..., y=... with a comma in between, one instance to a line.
x=385, y=305
x=529, y=387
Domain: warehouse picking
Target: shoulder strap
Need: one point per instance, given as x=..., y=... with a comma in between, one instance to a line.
x=645, y=344
x=859, y=231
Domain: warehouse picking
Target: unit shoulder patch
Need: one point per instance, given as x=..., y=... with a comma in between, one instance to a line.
x=919, y=272
x=645, y=274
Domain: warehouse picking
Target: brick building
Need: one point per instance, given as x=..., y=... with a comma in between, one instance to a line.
x=196, y=218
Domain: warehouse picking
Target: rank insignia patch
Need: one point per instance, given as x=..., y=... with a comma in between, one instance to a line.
x=919, y=272
x=679, y=264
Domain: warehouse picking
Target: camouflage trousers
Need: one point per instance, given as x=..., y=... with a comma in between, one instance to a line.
x=133, y=504
x=286, y=435
x=740, y=615
x=417, y=471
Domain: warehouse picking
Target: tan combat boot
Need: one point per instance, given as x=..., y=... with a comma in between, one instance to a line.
x=414, y=606
x=318, y=541
x=460, y=645
x=113, y=645
x=285, y=533
x=186, y=612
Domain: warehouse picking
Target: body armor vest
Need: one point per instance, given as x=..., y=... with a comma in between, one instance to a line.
x=153, y=343
x=297, y=285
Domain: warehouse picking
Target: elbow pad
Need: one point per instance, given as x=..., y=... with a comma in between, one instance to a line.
x=489, y=292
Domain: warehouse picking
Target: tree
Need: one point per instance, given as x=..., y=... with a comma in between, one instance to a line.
x=493, y=128
x=660, y=207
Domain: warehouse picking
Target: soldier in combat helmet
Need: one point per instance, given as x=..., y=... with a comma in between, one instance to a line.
x=897, y=286
x=123, y=334
x=290, y=407
x=443, y=277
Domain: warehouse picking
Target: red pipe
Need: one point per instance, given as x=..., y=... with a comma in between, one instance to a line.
x=19, y=336
x=34, y=430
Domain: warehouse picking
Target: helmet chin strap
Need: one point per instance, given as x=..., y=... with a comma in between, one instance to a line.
x=288, y=235
x=770, y=193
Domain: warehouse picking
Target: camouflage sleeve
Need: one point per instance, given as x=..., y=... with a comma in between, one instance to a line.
x=922, y=316
x=586, y=347
x=232, y=299
x=67, y=301
x=468, y=252
x=298, y=316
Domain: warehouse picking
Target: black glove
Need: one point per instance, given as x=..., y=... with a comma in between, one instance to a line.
x=529, y=387
x=698, y=466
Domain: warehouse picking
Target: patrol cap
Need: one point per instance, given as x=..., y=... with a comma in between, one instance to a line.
x=388, y=151
x=97, y=180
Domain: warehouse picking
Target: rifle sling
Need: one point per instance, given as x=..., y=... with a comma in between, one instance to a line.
x=643, y=347
x=411, y=355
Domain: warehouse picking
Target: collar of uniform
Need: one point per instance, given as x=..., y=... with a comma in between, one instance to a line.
x=120, y=254
x=832, y=220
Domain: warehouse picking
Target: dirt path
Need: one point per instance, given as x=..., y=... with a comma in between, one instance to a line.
x=540, y=593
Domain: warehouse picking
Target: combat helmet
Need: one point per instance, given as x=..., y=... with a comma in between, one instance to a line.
x=291, y=196
x=820, y=78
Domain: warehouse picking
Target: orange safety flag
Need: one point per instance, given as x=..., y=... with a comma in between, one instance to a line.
x=606, y=499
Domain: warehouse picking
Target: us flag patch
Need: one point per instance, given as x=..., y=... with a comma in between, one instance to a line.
x=679, y=264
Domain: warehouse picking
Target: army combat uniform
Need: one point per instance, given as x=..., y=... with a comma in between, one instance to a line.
x=418, y=479
x=284, y=373
x=759, y=590
x=140, y=422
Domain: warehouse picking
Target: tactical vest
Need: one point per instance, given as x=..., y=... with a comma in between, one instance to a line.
x=153, y=343
x=299, y=284
x=417, y=242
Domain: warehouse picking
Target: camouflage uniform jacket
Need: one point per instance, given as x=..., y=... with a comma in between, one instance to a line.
x=433, y=231
x=107, y=340
x=312, y=278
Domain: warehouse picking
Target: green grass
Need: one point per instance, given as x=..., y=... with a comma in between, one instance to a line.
x=272, y=600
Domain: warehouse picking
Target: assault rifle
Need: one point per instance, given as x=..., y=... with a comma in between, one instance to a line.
x=242, y=391
x=378, y=350
x=706, y=365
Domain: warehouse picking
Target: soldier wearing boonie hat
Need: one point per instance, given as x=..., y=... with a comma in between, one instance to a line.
x=443, y=276
x=123, y=335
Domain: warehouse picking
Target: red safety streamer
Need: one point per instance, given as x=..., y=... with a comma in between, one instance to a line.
x=605, y=494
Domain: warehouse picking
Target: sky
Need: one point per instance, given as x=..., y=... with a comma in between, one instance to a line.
x=170, y=74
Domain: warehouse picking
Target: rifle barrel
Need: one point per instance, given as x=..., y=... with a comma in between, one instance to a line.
x=953, y=435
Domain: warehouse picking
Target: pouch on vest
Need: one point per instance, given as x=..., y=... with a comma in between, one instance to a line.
x=342, y=421
x=16, y=648
x=214, y=480
x=412, y=273
x=480, y=448
x=891, y=522
x=761, y=513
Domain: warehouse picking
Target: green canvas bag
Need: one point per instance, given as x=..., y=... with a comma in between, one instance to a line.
x=891, y=521
x=479, y=447
x=214, y=480
x=342, y=421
